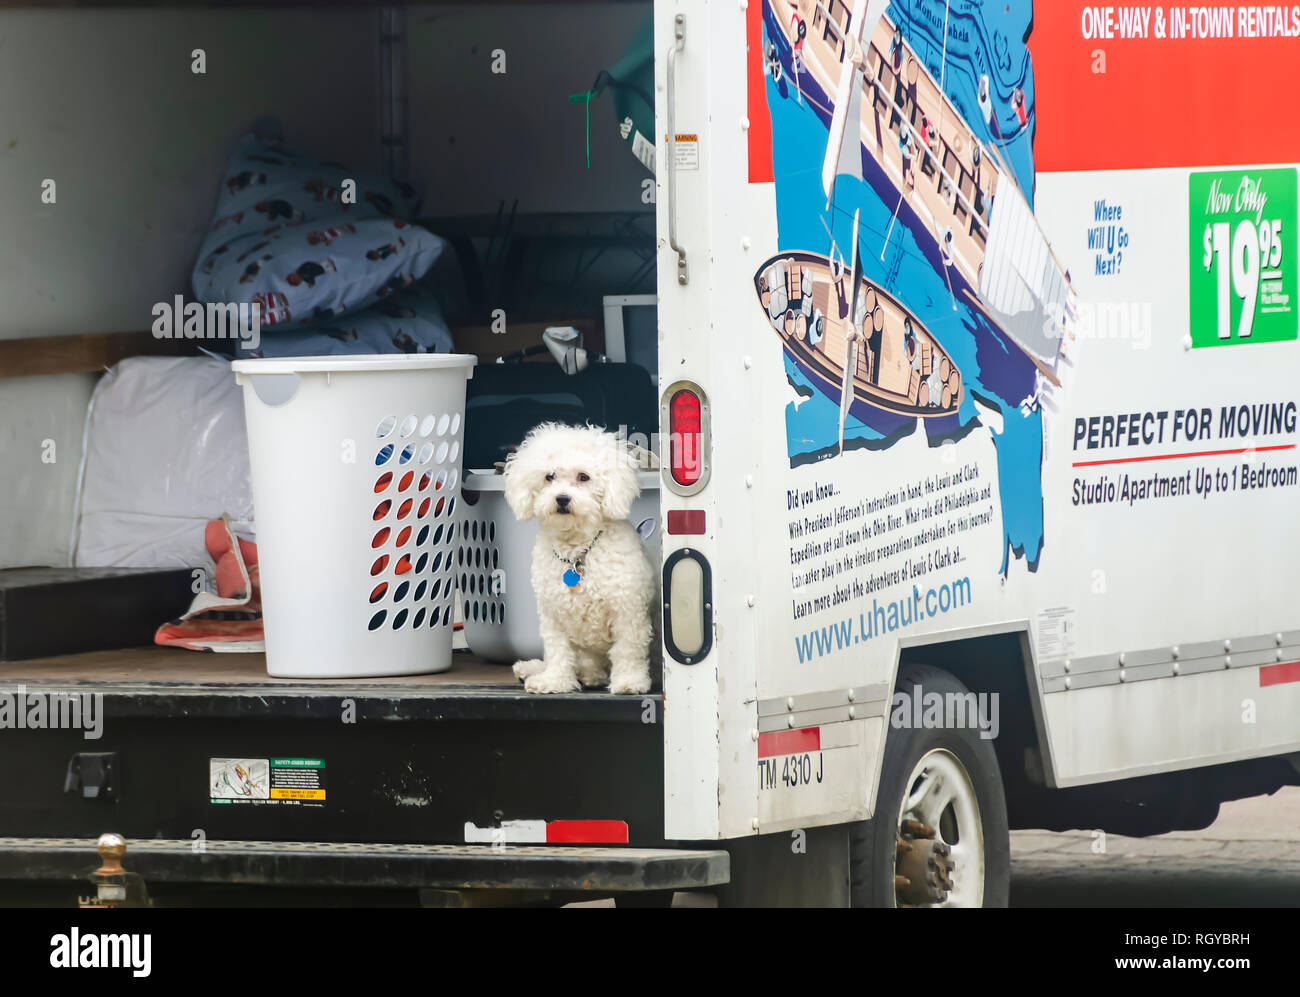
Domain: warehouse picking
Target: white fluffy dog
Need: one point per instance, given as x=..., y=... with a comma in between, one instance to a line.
x=593, y=583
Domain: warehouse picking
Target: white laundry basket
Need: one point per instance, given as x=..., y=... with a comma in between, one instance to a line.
x=494, y=566
x=356, y=472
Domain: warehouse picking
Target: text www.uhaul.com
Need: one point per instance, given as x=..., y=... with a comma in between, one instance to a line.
x=883, y=618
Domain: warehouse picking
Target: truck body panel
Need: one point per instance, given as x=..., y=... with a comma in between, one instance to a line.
x=1068, y=461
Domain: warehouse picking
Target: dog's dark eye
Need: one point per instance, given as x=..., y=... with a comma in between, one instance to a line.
x=550, y=477
x=584, y=476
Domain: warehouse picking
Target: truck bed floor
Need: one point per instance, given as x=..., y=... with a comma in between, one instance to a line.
x=163, y=681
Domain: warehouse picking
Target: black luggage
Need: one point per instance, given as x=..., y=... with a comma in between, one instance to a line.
x=505, y=400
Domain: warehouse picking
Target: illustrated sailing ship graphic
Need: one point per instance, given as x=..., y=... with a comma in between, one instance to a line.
x=854, y=341
x=891, y=124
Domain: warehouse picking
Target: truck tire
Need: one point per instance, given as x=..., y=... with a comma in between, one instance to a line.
x=939, y=789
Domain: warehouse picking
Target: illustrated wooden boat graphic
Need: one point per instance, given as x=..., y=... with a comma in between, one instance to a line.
x=887, y=113
x=897, y=365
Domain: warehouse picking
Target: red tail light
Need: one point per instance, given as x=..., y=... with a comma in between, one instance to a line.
x=685, y=440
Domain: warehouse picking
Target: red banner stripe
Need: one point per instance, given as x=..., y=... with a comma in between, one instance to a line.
x=760, y=121
x=1288, y=671
x=1177, y=456
x=789, y=742
x=586, y=832
x=1112, y=103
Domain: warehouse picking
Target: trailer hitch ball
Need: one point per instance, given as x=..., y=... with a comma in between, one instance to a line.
x=922, y=866
x=114, y=886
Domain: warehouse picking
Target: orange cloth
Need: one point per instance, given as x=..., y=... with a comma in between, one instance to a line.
x=232, y=619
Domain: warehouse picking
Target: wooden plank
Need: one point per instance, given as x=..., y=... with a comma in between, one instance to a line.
x=36, y=355
x=169, y=666
x=162, y=683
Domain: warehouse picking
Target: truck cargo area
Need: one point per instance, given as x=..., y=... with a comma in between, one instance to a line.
x=407, y=761
x=760, y=380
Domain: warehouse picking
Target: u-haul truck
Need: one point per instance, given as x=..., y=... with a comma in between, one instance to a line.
x=978, y=380
x=999, y=474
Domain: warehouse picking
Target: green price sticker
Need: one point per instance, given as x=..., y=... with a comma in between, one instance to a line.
x=1243, y=256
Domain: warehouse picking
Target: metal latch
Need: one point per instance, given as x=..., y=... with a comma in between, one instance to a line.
x=96, y=774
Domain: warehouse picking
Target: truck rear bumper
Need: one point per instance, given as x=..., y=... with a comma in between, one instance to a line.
x=597, y=871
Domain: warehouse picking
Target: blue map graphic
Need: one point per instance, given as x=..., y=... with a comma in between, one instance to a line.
x=982, y=39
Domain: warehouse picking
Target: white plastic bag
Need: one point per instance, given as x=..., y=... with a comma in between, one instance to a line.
x=166, y=451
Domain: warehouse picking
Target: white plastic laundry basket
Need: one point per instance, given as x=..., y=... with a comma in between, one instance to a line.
x=494, y=566
x=356, y=472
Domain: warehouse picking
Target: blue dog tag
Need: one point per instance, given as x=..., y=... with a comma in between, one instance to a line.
x=572, y=578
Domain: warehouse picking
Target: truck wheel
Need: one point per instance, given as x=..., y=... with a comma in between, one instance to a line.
x=939, y=837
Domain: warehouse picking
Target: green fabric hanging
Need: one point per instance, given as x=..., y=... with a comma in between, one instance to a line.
x=585, y=98
x=631, y=81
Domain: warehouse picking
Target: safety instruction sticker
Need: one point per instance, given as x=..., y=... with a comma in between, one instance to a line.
x=289, y=781
x=1054, y=633
x=686, y=151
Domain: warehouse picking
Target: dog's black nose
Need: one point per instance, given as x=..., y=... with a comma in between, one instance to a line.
x=562, y=501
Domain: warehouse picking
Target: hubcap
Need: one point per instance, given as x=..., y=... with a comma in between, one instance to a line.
x=939, y=860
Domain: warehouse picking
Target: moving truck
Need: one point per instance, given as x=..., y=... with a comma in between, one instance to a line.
x=977, y=366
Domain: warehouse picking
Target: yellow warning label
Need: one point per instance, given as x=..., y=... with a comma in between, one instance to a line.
x=297, y=794
x=686, y=151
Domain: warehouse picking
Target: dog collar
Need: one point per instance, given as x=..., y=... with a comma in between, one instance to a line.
x=572, y=577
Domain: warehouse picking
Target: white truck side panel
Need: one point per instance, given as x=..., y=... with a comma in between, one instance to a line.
x=706, y=709
x=946, y=505
x=1194, y=591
